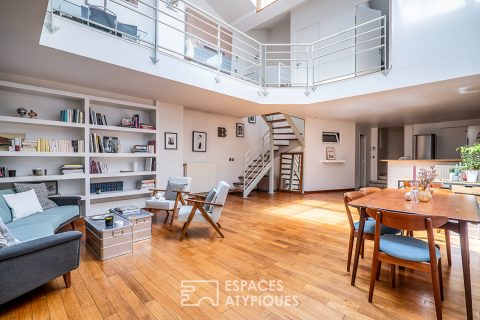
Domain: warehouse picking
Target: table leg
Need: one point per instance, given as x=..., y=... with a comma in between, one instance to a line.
x=463, y=229
x=363, y=216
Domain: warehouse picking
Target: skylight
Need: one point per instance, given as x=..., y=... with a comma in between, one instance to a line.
x=261, y=4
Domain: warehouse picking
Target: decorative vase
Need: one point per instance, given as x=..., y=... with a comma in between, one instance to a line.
x=425, y=195
x=472, y=175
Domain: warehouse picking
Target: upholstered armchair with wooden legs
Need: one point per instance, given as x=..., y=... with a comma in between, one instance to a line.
x=165, y=200
x=201, y=210
x=406, y=251
x=369, y=228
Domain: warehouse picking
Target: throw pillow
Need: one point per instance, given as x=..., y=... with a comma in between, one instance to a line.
x=6, y=236
x=23, y=204
x=210, y=197
x=172, y=188
x=41, y=192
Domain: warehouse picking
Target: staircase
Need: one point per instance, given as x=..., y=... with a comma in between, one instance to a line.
x=285, y=133
x=290, y=172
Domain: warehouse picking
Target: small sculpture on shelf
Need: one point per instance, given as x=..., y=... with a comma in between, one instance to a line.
x=32, y=114
x=22, y=112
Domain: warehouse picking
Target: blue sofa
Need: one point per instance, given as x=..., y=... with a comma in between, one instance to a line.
x=43, y=254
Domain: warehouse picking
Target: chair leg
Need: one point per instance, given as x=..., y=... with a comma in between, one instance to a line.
x=373, y=276
x=440, y=277
x=189, y=220
x=410, y=234
x=363, y=249
x=393, y=275
x=436, y=288
x=173, y=215
x=166, y=218
x=67, y=277
x=72, y=224
x=449, y=250
x=218, y=224
x=214, y=225
x=350, y=249
x=379, y=268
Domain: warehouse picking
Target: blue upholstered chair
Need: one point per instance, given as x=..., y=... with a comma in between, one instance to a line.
x=407, y=251
x=368, y=230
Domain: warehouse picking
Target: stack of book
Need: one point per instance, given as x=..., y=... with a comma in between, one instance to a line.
x=100, y=144
x=54, y=145
x=29, y=145
x=11, y=142
x=131, y=123
x=97, y=118
x=72, y=115
x=98, y=167
x=126, y=210
x=143, y=148
x=145, y=184
x=150, y=164
x=72, y=169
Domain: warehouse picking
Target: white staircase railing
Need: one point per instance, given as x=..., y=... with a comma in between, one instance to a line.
x=258, y=160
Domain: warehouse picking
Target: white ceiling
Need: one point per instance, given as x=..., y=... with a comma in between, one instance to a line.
x=232, y=10
x=20, y=54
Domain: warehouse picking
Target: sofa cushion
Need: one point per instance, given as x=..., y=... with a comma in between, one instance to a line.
x=65, y=213
x=32, y=231
x=41, y=192
x=6, y=236
x=39, y=218
x=5, y=212
x=23, y=204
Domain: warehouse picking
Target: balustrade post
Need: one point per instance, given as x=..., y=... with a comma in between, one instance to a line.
x=154, y=56
x=50, y=26
x=219, y=52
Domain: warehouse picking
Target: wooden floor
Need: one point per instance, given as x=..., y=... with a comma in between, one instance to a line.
x=301, y=241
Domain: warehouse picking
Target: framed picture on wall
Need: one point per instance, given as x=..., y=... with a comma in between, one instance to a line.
x=252, y=119
x=240, y=130
x=331, y=153
x=199, y=141
x=170, y=141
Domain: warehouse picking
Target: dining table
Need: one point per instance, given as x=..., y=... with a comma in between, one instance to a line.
x=461, y=209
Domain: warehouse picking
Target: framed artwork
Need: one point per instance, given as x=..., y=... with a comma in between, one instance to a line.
x=199, y=141
x=222, y=132
x=240, y=130
x=170, y=141
x=252, y=119
x=331, y=153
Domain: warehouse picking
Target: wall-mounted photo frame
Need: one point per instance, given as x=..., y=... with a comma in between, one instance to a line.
x=240, y=130
x=252, y=119
x=222, y=132
x=171, y=141
x=330, y=153
x=199, y=141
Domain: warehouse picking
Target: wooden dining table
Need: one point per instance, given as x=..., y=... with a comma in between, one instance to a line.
x=460, y=209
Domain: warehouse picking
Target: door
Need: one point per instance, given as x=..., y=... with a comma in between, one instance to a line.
x=366, y=60
x=363, y=161
x=291, y=172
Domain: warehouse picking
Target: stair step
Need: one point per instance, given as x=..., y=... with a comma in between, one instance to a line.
x=271, y=114
x=282, y=127
x=278, y=139
x=277, y=120
x=238, y=184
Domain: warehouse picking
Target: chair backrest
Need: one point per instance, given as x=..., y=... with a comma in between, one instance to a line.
x=405, y=221
x=347, y=198
x=220, y=198
x=369, y=190
x=182, y=180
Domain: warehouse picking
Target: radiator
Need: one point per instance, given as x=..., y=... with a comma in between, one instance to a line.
x=202, y=174
x=443, y=171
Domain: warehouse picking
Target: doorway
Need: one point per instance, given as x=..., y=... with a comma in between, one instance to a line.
x=363, y=161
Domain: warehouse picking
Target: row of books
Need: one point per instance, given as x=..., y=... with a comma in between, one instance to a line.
x=98, y=118
x=100, y=144
x=143, y=148
x=145, y=184
x=58, y=145
x=72, y=115
x=72, y=169
x=98, y=167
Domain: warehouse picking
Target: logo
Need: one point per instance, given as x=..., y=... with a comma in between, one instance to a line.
x=190, y=296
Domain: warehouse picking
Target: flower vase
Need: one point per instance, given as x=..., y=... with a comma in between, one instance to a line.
x=425, y=195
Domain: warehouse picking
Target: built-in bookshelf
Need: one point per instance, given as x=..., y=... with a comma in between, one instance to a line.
x=65, y=116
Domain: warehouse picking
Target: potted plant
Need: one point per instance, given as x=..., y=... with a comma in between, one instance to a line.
x=471, y=161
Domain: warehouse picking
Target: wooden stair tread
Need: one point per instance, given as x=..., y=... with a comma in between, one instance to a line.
x=277, y=120
x=271, y=114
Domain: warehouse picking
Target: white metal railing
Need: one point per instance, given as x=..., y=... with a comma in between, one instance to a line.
x=256, y=159
x=184, y=31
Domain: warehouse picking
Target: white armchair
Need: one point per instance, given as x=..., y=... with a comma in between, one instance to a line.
x=198, y=213
x=158, y=202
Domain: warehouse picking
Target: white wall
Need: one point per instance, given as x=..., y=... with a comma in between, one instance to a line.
x=323, y=176
x=219, y=150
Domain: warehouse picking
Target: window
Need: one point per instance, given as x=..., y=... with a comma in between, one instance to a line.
x=331, y=137
x=261, y=4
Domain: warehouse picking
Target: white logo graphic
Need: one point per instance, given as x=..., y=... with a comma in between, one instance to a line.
x=189, y=298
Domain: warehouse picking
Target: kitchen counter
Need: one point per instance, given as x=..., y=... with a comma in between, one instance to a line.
x=423, y=161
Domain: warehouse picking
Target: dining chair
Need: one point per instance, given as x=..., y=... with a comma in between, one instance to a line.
x=369, y=190
x=406, y=251
x=369, y=228
x=168, y=199
x=205, y=208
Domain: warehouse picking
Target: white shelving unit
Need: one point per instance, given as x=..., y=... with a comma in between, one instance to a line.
x=48, y=103
x=333, y=161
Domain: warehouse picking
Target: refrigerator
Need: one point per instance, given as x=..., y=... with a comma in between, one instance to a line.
x=424, y=146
